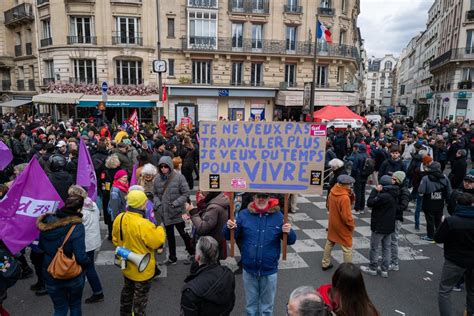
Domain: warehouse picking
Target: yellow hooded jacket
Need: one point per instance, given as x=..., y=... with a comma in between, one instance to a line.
x=140, y=236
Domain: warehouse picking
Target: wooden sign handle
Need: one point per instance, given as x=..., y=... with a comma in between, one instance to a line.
x=232, y=218
x=285, y=220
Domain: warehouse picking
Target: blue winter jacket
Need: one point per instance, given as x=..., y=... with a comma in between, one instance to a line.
x=261, y=236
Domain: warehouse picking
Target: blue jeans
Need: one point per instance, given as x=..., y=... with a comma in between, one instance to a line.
x=377, y=240
x=67, y=295
x=394, y=243
x=92, y=276
x=419, y=204
x=259, y=293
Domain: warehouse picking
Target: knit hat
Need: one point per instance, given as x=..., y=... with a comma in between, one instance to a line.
x=435, y=166
x=120, y=174
x=136, y=198
x=386, y=180
x=427, y=160
x=399, y=176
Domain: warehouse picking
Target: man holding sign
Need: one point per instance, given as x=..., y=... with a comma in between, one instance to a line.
x=261, y=229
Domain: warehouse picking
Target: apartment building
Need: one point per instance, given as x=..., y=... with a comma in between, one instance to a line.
x=250, y=59
x=379, y=83
x=453, y=67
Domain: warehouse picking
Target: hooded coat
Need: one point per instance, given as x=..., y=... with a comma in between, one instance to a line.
x=389, y=167
x=458, y=171
x=341, y=223
x=53, y=230
x=210, y=290
x=434, y=181
x=261, y=234
x=169, y=204
x=91, y=219
x=384, y=206
x=212, y=219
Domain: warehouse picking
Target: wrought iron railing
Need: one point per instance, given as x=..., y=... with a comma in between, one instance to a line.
x=127, y=39
x=326, y=11
x=31, y=84
x=18, y=50
x=29, y=49
x=6, y=85
x=208, y=4
x=71, y=40
x=292, y=9
x=20, y=85
x=22, y=13
x=249, y=6
x=46, y=42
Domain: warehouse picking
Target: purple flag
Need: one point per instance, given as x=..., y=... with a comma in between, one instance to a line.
x=30, y=196
x=134, y=181
x=86, y=176
x=6, y=155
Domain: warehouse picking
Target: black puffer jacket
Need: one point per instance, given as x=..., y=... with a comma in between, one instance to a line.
x=403, y=200
x=208, y=291
x=384, y=209
x=390, y=166
x=61, y=181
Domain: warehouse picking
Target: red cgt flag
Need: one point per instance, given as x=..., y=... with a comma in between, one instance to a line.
x=165, y=93
x=133, y=120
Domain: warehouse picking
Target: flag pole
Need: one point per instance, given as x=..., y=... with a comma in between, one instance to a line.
x=315, y=69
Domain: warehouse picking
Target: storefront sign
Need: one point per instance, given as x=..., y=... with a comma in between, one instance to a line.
x=463, y=95
x=223, y=92
x=280, y=157
x=118, y=104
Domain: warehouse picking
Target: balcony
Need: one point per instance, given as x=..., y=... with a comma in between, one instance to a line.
x=6, y=85
x=243, y=83
x=123, y=39
x=453, y=55
x=20, y=85
x=18, y=51
x=40, y=2
x=21, y=14
x=326, y=11
x=275, y=47
x=46, y=42
x=71, y=40
x=29, y=49
x=293, y=9
x=249, y=6
x=128, y=81
x=465, y=85
x=470, y=16
x=31, y=84
x=81, y=81
x=47, y=81
x=203, y=4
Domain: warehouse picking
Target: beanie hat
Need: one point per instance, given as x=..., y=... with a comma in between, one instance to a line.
x=120, y=174
x=386, y=180
x=427, y=160
x=136, y=198
x=399, y=176
x=435, y=166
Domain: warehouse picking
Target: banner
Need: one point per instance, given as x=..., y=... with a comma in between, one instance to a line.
x=6, y=156
x=273, y=157
x=133, y=180
x=30, y=196
x=86, y=176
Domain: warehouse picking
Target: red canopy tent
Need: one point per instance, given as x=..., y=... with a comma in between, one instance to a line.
x=339, y=115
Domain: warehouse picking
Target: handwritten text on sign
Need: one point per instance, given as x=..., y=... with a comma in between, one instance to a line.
x=261, y=156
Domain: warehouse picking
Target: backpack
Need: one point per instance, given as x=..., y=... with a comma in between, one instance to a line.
x=10, y=268
x=62, y=267
x=369, y=167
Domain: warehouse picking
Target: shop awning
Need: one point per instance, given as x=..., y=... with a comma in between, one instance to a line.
x=118, y=101
x=321, y=98
x=58, y=98
x=14, y=103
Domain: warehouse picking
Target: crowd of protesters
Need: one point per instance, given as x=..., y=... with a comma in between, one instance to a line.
x=424, y=164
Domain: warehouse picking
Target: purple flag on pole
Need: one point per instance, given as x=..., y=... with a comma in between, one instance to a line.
x=30, y=196
x=134, y=181
x=6, y=155
x=86, y=176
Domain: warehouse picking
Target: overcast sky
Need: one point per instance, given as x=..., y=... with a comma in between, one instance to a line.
x=388, y=25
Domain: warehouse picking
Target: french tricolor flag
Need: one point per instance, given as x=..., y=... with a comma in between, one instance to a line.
x=324, y=33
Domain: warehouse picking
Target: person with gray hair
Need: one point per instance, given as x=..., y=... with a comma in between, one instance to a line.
x=304, y=301
x=337, y=168
x=210, y=288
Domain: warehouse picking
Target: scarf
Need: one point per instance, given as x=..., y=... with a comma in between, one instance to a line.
x=121, y=186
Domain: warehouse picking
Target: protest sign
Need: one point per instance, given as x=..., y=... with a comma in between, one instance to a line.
x=276, y=157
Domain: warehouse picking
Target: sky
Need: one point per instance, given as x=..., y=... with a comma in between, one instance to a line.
x=388, y=25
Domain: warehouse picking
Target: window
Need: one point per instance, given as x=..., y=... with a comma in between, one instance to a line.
x=340, y=75
x=202, y=72
x=127, y=31
x=469, y=42
x=80, y=30
x=292, y=3
x=326, y=4
x=472, y=5
x=46, y=28
x=85, y=71
x=32, y=72
x=257, y=42
x=170, y=28
x=237, y=36
x=290, y=75
x=344, y=6
x=171, y=67
x=402, y=89
x=257, y=5
x=256, y=75
x=468, y=74
x=203, y=29
x=18, y=38
x=236, y=73
x=342, y=37
x=388, y=65
x=321, y=80
x=129, y=72
x=372, y=95
x=49, y=69
x=373, y=88
x=291, y=38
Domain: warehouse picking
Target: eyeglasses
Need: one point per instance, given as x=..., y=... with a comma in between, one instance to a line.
x=164, y=167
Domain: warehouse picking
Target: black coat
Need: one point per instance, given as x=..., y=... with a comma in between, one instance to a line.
x=390, y=166
x=61, y=181
x=384, y=209
x=208, y=291
x=458, y=172
x=340, y=145
x=403, y=201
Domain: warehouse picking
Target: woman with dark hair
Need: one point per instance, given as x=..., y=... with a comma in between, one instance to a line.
x=65, y=294
x=209, y=216
x=187, y=154
x=347, y=295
